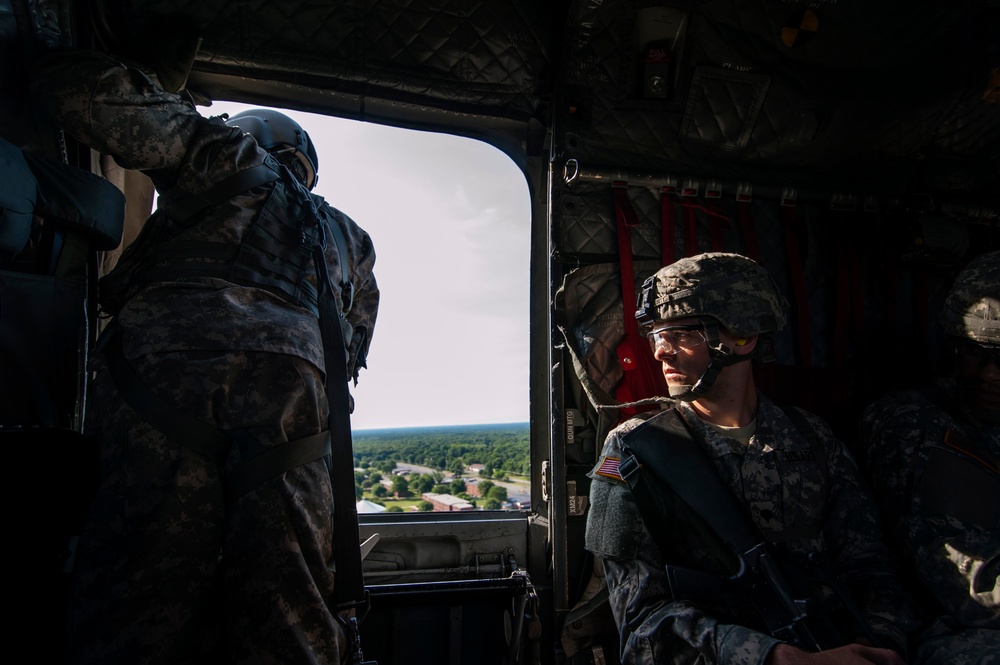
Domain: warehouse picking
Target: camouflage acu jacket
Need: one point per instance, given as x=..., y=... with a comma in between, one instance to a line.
x=936, y=473
x=805, y=496
x=122, y=111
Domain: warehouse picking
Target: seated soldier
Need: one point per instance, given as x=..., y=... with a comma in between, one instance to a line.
x=706, y=317
x=933, y=456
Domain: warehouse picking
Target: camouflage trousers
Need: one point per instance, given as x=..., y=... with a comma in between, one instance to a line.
x=961, y=646
x=167, y=572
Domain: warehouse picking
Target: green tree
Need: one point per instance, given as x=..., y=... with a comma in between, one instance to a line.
x=498, y=492
x=491, y=504
x=379, y=491
x=425, y=506
x=456, y=486
x=400, y=486
x=457, y=466
x=424, y=483
x=393, y=509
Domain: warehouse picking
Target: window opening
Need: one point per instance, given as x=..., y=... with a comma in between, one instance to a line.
x=441, y=413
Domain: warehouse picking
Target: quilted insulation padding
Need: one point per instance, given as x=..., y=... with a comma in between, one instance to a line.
x=487, y=55
x=854, y=328
x=589, y=306
x=855, y=103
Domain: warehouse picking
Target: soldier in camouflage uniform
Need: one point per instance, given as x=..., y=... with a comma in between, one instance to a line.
x=176, y=565
x=933, y=455
x=706, y=316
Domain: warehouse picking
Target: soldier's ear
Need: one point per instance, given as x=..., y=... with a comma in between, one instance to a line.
x=744, y=345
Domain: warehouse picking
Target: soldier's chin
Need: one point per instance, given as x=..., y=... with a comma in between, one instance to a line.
x=679, y=391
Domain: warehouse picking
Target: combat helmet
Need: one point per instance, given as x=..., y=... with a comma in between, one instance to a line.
x=284, y=138
x=972, y=307
x=723, y=290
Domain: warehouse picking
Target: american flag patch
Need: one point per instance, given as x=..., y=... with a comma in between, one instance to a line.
x=609, y=468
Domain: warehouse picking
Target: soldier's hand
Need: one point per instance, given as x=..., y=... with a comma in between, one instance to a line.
x=849, y=654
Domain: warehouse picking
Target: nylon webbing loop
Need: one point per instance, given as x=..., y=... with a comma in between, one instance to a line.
x=192, y=433
x=640, y=377
x=716, y=226
x=849, y=297
x=796, y=273
x=690, y=230
x=275, y=461
x=749, y=230
x=626, y=219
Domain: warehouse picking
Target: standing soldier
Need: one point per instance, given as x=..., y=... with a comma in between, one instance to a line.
x=679, y=594
x=933, y=455
x=210, y=539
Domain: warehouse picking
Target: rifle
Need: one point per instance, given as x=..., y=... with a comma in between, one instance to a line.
x=665, y=460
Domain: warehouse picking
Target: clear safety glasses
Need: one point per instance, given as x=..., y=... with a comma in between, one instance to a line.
x=674, y=338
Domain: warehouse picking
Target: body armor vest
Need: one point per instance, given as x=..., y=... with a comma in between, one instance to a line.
x=275, y=253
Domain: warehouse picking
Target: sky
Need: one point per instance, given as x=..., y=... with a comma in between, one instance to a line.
x=449, y=218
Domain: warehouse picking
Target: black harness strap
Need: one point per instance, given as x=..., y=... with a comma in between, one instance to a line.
x=274, y=461
x=350, y=588
x=675, y=459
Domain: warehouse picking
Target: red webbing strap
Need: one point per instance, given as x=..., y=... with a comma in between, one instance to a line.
x=749, y=230
x=690, y=230
x=842, y=300
x=890, y=282
x=716, y=225
x=857, y=297
x=626, y=218
x=641, y=376
x=667, y=223
x=923, y=323
x=796, y=274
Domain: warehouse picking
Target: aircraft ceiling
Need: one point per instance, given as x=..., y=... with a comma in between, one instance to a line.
x=891, y=95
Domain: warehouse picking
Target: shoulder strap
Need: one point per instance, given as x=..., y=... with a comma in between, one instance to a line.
x=665, y=448
x=349, y=591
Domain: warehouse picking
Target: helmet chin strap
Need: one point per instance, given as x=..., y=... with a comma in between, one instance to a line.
x=721, y=357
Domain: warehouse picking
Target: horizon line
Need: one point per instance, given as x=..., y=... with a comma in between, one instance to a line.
x=451, y=426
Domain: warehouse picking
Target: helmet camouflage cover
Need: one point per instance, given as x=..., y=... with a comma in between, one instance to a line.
x=972, y=308
x=736, y=291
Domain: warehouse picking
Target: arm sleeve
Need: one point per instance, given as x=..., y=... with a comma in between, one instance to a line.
x=653, y=627
x=116, y=109
x=956, y=561
x=365, y=310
